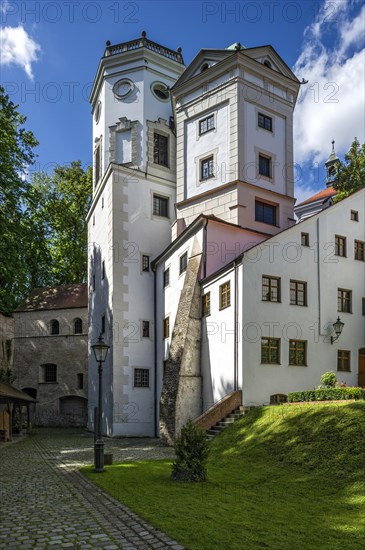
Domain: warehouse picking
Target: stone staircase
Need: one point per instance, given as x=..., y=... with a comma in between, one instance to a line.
x=227, y=421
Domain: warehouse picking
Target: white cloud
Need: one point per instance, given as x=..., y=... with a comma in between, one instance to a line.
x=331, y=105
x=18, y=48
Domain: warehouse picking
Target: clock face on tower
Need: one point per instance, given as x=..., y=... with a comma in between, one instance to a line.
x=123, y=88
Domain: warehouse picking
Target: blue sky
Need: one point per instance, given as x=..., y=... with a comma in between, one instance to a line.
x=50, y=52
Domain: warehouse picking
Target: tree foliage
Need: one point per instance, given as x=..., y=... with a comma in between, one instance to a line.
x=350, y=174
x=43, y=240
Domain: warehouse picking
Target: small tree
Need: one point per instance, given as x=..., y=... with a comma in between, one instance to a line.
x=328, y=380
x=7, y=375
x=350, y=176
x=191, y=450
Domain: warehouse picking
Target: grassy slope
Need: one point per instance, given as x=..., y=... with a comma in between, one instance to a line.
x=282, y=477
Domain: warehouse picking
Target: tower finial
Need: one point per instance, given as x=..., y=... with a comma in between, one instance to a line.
x=333, y=145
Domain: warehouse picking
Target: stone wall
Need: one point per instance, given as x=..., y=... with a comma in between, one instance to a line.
x=62, y=402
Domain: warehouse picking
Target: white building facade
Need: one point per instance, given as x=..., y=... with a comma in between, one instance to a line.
x=192, y=225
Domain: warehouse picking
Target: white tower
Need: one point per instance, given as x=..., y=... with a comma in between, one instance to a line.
x=129, y=223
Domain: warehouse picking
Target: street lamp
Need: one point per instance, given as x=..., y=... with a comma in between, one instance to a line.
x=338, y=326
x=100, y=350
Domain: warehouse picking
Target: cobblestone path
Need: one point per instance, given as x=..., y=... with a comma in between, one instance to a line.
x=46, y=503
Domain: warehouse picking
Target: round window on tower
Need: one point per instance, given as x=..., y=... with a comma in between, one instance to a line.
x=97, y=112
x=161, y=91
x=123, y=88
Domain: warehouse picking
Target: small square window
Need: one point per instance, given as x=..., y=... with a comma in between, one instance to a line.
x=160, y=206
x=166, y=327
x=225, y=295
x=270, y=351
x=305, y=239
x=265, y=166
x=207, y=168
x=166, y=277
x=354, y=215
x=343, y=360
x=141, y=378
x=145, y=329
x=340, y=245
x=206, y=304
x=160, y=149
x=359, y=250
x=145, y=263
x=344, y=299
x=298, y=353
x=265, y=213
x=206, y=124
x=183, y=262
x=265, y=122
x=50, y=373
x=270, y=289
x=298, y=293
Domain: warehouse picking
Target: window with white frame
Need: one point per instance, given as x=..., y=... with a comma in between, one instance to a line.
x=206, y=124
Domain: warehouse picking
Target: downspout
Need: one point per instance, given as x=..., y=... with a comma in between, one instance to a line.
x=155, y=346
x=235, y=382
x=205, y=232
x=319, y=283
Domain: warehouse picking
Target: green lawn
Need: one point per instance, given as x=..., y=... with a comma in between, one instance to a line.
x=286, y=477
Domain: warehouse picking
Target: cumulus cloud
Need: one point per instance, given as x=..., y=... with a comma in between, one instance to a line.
x=18, y=48
x=331, y=105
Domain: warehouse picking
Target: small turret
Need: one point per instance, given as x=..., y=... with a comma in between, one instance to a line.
x=331, y=166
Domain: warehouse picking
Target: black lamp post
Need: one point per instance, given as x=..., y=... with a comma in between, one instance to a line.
x=338, y=326
x=100, y=350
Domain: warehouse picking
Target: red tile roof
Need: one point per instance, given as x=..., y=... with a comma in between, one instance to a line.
x=324, y=194
x=56, y=297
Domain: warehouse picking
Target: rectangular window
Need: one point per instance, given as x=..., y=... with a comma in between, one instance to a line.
x=298, y=353
x=343, y=360
x=50, y=373
x=166, y=277
x=265, y=166
x=305, y=239
x=80, y=381
x=207, y=168
x=141, y=378
x=93, y=281
x=166, y=327
x=359, y=250
x=103, y=324
x=270, y=351
x=344, y=300
x=225, y=295
x=354, y=215
x=145, y=262
x=270, y=289
x=183, y=263
x=340, y=245
x=298, y=293
x=363, y=306
x=265, y=213
x=160, y=206
x=160, y=149
x=145, y=329
x=206, y=124
x=265, y=122
x=103, y=269
x=206, y=304
x=97, y=163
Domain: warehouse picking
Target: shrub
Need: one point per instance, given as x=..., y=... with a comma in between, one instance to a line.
x=326, y=394
x=328, y=380
x=191, y=450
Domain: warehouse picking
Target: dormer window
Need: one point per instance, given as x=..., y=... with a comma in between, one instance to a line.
x=204, y=67
x=267, y=63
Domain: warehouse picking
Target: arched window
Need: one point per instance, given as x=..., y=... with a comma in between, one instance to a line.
x=55, y=327
x=78, y=326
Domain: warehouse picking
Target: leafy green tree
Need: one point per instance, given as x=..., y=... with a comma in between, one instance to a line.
x=350, y=174
x=192, y=449
x=56, y=208
x=16, y=155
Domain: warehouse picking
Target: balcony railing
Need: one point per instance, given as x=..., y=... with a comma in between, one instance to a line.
x=143, y=42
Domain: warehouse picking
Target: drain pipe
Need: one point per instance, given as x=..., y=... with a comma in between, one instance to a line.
x=155, y=345
x=235, y=382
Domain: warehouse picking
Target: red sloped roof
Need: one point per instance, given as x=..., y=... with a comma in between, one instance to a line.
x=56, y=297
x=324, y=194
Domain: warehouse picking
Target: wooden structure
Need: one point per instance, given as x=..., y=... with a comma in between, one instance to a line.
x=12, y=400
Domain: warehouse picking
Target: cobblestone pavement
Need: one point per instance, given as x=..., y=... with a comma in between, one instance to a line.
x=46, y=503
